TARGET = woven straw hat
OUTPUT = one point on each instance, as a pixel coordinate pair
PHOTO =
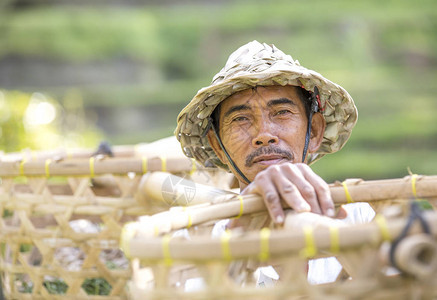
(256, 64)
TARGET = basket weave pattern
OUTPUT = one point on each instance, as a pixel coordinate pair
(61, 224)
(40, 220)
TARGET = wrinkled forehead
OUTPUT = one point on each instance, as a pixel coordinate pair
(261, 94)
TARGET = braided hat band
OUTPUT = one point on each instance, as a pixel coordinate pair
(256, 64)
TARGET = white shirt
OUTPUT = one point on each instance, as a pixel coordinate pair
(324, 270)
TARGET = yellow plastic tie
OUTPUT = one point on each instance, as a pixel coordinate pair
(241, 207)
(127, 234)
(190, 219)
(163, 163)
(24, 155)
(224, 241)
(413, 184)
(47, 167)
(382, 224)
(144, 164)
(21, 167)
(335, 239)
(166, 250)
(310, 245)
(156, 230)
(91, 167)
(193, 166)
(346, 191)
(264, 235)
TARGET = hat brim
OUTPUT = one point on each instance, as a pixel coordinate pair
(337, 108)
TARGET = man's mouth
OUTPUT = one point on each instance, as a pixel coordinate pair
(270, 159)
(268, 156)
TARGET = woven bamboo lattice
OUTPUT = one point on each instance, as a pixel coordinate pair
(62, 220)
(165, 259)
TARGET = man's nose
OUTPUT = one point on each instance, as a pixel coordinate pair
(264, 136)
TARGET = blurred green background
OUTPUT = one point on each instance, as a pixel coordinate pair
(73, 73)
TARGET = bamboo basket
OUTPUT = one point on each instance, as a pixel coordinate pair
(165, 259)
(62, 219)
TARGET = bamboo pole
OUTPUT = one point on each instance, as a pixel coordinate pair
(408, 187)
(244, 245)
(56, 154)
(176, 191)
(95, 166)
(231, 205)
(169, 146)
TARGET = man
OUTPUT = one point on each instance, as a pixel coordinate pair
(265, 118)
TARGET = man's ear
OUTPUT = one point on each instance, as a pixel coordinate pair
(212, 139)
(318, 126)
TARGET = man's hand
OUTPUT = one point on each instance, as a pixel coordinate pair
(295, 184)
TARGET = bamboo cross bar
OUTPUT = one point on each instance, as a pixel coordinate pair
(408, 187)
(230, 205)
(32, 155)
(94, 166)
(168, 146)
(164, 187)
(281, 242)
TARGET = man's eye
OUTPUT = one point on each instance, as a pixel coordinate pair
(283, 112)
(239, 119)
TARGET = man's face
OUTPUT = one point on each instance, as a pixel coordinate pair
(262, 127)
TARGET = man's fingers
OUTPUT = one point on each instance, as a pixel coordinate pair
(321, 189)
(267, 190)
(297, 185)
(297, 191)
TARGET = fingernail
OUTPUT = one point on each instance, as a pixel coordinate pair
(330, 212)
(304, 207)
(279, 219)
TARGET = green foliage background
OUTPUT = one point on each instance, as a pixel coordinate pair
(383, 52)
(69, 129)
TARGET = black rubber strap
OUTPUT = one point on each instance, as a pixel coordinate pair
(104, 149)
(307, 137)
(314, 108)
(415, 213)
(234, 166)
